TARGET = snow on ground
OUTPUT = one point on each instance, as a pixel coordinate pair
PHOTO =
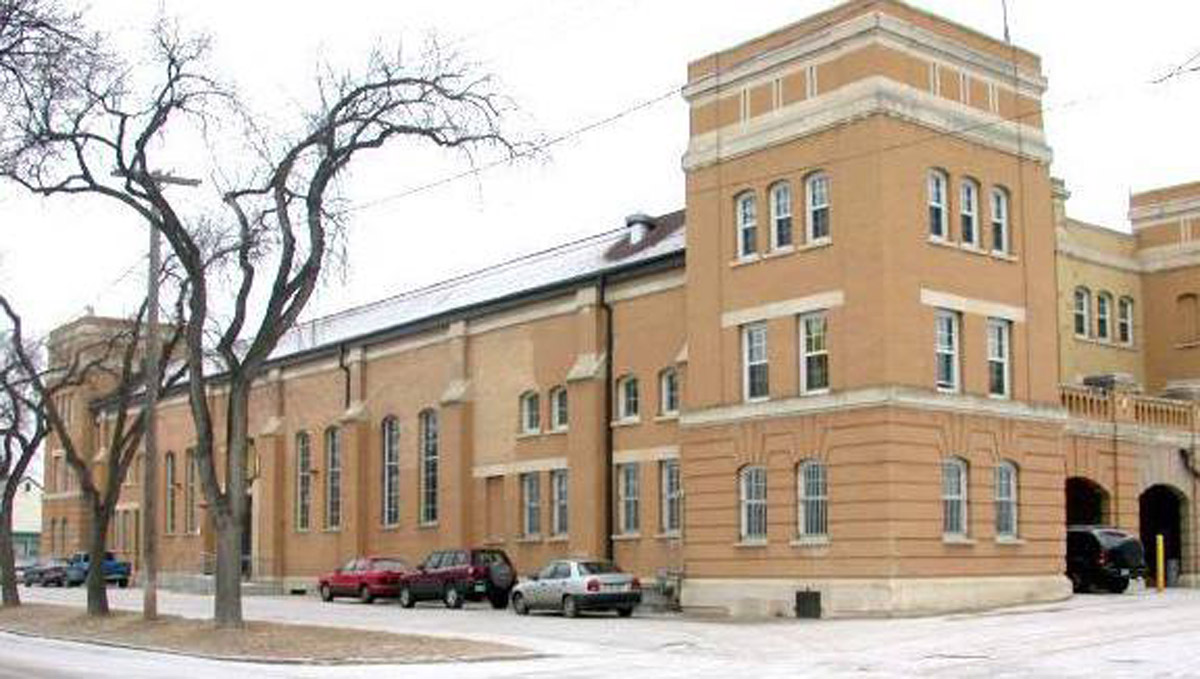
(1138, 634)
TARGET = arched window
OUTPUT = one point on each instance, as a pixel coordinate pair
(812, 500)
(954, 497)
(428, 421)
(627, 398)
(747, 225)
(668, 392)
(390, 432)
(938, 204)
(169, 492)
(1082, 311)
(1006, 500)
(1000, 234)
(559, 409)
(781, 215)
(191, 494)
(303, 506)
(1187, 310)
(531, 413)
(752, 495)
(816, 193)
(1125, 320)
(1104, 316)
(333, 478)
(969, 212)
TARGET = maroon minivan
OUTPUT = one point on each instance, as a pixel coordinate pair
(457, 575)
(366, 578)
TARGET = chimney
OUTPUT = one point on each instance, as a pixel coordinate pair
(638, 225)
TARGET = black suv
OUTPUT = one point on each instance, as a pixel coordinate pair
(457, 575)
(1103, 557)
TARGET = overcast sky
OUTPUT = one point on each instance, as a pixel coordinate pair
(568, 63)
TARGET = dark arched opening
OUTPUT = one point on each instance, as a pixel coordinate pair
(1087, 503)
(1161, 511)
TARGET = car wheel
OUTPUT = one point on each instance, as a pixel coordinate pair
(326, 593)
(520, 607)
(569, 607)
(499, 598)
(1118, 585)
(625, 612)
(364, 595)
(452, 597)
(406, 598)
(1078, 585)
(122, 583)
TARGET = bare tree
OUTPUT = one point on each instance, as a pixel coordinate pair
(252, 266)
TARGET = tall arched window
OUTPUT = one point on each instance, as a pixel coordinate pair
(1001, 239)
(938, 204)
(816, 193)
(628, 398)
(781, 215)
(390, 432)
(1104, 303)
(668, 392)
(812, 500)
(333, 478)
(303, 506)
(531, 413)
(752, 495)
(169, 492)
(428, 421)
(1006, 500)
(747, 225)
(559, 409)
(954, 497)
(1125, 320)
(1082, 312)
(969, 212)
(1187, 308)
(191, 494)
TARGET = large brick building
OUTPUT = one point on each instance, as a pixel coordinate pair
(854, 363)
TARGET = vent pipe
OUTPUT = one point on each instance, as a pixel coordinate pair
(638, 225)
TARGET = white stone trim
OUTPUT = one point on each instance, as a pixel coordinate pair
(784, 308)
(586, 367)
(525, 314)
(641, 288)
(1134, 433)
(519, 467)
(1158, 213)
(656, 454)
(968, 305)
(1167, 257)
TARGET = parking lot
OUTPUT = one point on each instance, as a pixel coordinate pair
(1139, 634)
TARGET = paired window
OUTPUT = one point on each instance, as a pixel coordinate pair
(333, 478)
(672, 496)
(1000, 236)
(781, 215)
(627, 398)
(169, 472)
(428, 424)
(937, 204)
(999, 346)
(812, 500)
(1006, 500)
(747, 225)
(752, 494)
(1103, 316)
(531, 504)
(1082, 312)
(390, 432)
(559, 414)
(668, 392)
(946, 346)
(627, 498)
(1125, 321)
(817, 193)
(814, 346)
(755, 385)
(558, 502)
(954, 497)
(969, 212)
(531, 413)
(303, 481)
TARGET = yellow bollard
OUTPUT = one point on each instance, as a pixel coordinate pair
(1160, 574)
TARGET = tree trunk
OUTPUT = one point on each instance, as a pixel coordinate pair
(97, 591)
(227, 607)
(8, 574)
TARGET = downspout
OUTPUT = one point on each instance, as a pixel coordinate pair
(609, 528)
(346, 381)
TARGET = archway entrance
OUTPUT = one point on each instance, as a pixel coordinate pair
(1087, 503)
(1162, 514)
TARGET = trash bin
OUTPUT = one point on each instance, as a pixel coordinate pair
(808, 604)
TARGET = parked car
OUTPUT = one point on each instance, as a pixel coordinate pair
(457, 575)
(366, 578)
(114, 570)
(21, 566)
(46, 573)
(1098, 556)
(575, 585)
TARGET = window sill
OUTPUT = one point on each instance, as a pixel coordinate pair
(627, 422)
(530, 540)
(430, 525)
(816, 244)
(743, 261)
(390, 528)
(554, 539)
(757, 399)
(521, 436)
(557, 431)
(667, 417)
(331, 530)
(494, 542)
(780, 252)
(669, 535)
(750, 544)
(626, 537)
(1000, 397)
(1110, 344)
(1187, 345)
(1012, 541)
(1004, 256)
(815, 392)
(953, 391)
(814, 542)
(941, 242)
(957, 540)
(973, 249)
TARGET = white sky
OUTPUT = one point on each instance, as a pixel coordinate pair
(568, 63)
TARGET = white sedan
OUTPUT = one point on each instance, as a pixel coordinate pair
(575, 585)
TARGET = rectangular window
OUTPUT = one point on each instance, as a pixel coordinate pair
(999, 341)
(531, 504)
(817, 191)
(999, 221)
(558, 497)
(429, 467)
(531, 413)
(937, 205)
(964, 87)
(668, 389)
(747, 225)
(1006, 500)
(970, 210)
(814, 500)
(672, 496)
(1103, 315)
(954, 497)
(391, 472)
(627, 498)
(753, 493)
(628, 403)
(754, 362)
(1125, 321)
(935, 79)
(1082, 312)
(333, 479)
(558, 409)
(781, 215)
(946, 350)
(303, 482)
(814, 363)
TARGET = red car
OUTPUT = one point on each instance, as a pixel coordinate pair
(365, 578)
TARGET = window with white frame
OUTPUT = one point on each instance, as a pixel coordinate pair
(814, 346)
(672, 496)
(1103, 316)
(969, 212)
(428, 421)
(303, 483)
(812, 495)
(531, 413)
(333, 479)
(1125, 321)
(752, 495)
(1082, 312)
(628, 402)
(816, 189)
(668, 392)
(559, 412)
(781, 215)
(390, 492)
(559, 502)
(1000, 235)
(628, 498)
(999, 347)
(1006, 500)
(747, 225)
(937, 204)
(946, 349)
(531, 504)
(755, 370)
(954, 497)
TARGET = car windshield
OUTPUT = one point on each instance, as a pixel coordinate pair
(598, 567)
(1110, 538)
